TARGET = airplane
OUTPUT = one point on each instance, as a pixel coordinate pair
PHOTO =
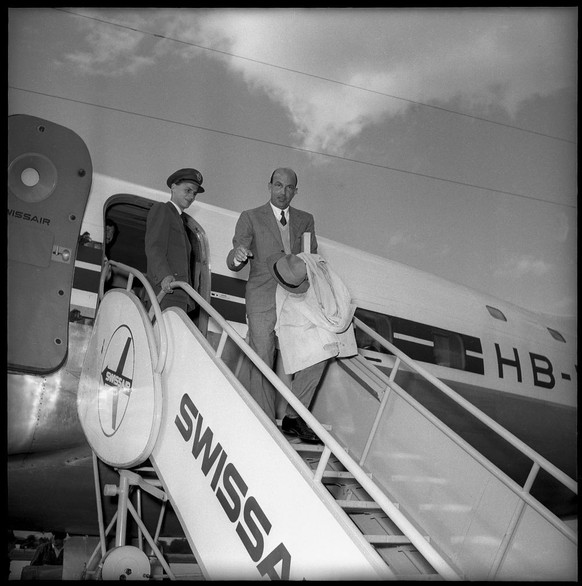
(517, 367)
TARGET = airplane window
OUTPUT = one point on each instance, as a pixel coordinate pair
(380, 323)
(496, 313)
(556, 335)
(448, 350)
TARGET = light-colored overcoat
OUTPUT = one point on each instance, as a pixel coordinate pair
(315, 325)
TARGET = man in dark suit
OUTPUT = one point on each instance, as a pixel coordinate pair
(51, 552)
(259, 233)
(167, 245)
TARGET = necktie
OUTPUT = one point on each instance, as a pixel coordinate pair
(283, 220)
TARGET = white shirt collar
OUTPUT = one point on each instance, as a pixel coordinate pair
(277, 211)
(177, 207)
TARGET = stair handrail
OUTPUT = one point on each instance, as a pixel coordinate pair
(418, 540)
(522, 447)
(155, 309)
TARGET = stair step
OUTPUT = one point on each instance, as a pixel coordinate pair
(353, 505)
(325, 426)
(422, 577)
(337, 474)
(387, 539)
(303, 447)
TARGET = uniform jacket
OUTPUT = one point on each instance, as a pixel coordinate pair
(258, 231)
(167, 245)
(315, 325)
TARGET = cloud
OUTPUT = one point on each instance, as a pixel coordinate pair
(480, 58)
(565, 307)
(410, 241)
(407, 240)
(518, 267)
(562, 226)
(539, 285)
(110, 50)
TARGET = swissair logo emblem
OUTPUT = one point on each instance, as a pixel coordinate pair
(116, 380)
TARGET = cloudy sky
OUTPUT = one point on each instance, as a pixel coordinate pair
(445, 139)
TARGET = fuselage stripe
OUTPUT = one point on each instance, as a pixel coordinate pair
(226, 297)
(88, 266)
(406, 338)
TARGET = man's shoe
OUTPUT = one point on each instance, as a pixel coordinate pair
(296, 426)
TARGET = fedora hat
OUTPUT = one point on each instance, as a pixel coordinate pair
(289, 271)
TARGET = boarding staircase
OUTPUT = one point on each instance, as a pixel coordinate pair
(406, 500)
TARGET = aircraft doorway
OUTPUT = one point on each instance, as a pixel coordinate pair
(125, 218)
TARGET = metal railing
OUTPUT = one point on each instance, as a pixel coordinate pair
(154, 309)
(538, 461)
(331, 445)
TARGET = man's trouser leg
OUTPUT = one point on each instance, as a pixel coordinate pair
(304, 385)
(262, 341)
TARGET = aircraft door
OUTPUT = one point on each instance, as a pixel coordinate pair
(200, 269)
(49, 179)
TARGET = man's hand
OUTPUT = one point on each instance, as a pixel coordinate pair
(165, 284)
(241, 253)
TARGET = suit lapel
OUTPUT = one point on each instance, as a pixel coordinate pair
(295, 224)
(295, 227)
(271, 221)
(175, 212)
(178, 218)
